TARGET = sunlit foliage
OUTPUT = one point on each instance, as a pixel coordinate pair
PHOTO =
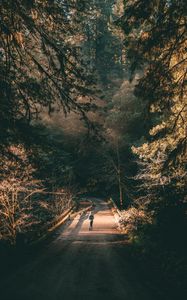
(156, 43)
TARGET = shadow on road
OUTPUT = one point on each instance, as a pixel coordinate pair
(77, 228)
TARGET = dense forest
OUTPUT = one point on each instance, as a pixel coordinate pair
(93, 102)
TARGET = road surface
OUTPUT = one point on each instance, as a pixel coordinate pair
(78, 264)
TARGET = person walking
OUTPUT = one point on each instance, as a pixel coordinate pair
(91, 218)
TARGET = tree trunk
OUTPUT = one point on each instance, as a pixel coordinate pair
(119, 176)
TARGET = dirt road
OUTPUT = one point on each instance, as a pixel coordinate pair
(79, 264)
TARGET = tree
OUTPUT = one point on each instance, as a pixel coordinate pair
(16, 189)
(39, 61)
(40, 70)
(124, 126)
(155, 41)
(102, 48)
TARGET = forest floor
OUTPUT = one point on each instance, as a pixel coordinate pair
(77, 264)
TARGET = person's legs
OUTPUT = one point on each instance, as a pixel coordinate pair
(91, 223)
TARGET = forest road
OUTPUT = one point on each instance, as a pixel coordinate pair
(78, 264)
